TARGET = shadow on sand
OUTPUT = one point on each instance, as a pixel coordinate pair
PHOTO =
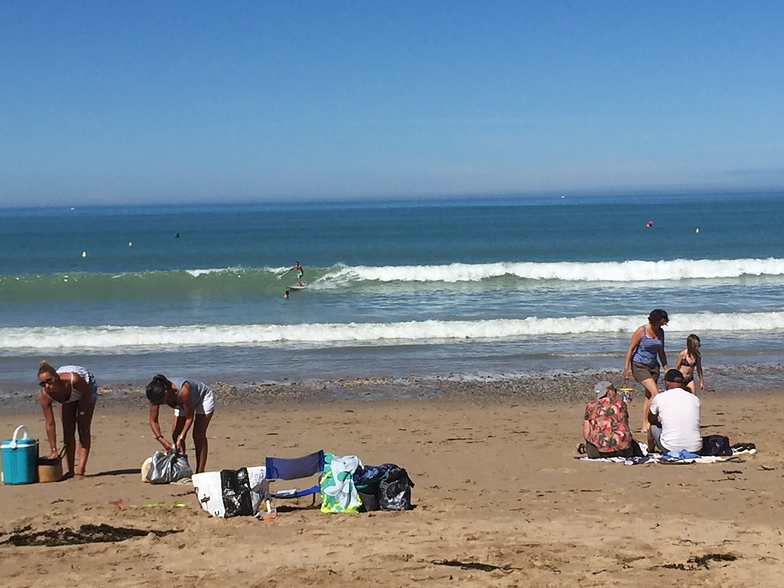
(136, 471)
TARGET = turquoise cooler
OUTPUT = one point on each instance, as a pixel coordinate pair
(20, 459)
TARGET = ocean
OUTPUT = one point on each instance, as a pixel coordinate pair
(463, 288)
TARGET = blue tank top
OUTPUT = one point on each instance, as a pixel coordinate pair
(198, 389)
(647, 350)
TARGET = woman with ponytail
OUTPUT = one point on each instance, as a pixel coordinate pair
(75, 390)
(193, 403)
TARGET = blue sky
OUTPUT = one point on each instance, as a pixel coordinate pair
(150, 101)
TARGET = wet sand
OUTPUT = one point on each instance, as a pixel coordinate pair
(500, 499)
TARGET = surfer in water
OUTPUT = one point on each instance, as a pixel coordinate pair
(297, 268)
(300, 272)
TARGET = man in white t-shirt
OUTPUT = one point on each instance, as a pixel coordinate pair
(675, 417)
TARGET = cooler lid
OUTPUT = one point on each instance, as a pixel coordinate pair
(26, 442)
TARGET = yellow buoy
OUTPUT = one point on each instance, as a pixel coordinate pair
(130, 243)
(84, 254)
(697, 230)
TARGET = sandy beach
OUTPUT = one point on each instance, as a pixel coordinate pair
(500, 498)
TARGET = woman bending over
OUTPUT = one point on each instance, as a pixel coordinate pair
(193, 403)
(75, 390)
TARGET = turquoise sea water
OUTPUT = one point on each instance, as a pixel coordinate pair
(464, 287)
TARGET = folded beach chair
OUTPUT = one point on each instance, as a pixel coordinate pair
(281, 468)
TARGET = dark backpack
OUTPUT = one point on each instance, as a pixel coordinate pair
(394, 489)
(716, 445)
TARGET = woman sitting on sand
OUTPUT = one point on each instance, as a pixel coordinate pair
(75, 390)
(606, 426)
(689, 360)
(193, 403)
(646, 345)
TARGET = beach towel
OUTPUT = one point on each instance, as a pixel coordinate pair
(676, 458)
(338, 493)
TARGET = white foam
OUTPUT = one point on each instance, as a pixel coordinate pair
(203, 272)
(615, 271)
(116, 339)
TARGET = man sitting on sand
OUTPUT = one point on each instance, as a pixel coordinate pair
(675, 417)
(606, 426)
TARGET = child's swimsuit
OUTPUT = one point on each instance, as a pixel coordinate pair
(685, 363)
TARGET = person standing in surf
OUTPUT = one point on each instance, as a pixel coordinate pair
(690, 360)
(300, 272)
(645, 350)
(75, 390)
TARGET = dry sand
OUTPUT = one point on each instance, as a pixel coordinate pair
(500, 501)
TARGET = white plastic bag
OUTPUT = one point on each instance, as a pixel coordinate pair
(168, 467)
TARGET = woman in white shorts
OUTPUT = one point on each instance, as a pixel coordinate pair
(193, 403)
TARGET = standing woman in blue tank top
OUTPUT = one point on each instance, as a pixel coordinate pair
(645, 350)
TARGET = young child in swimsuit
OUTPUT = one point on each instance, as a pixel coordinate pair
(689, 360)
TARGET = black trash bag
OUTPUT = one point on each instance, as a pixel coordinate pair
(168, 467)
(394, 488)
(235, 488)
(367, 477)
(366, 480)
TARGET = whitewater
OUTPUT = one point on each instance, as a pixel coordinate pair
(110, 339)
(464, 287)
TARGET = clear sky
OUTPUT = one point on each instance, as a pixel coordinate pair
(166, 101)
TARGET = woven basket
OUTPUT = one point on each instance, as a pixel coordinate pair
(50, 470)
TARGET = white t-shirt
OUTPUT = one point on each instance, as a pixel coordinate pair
(679, 411)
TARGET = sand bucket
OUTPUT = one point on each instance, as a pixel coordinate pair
(19, 457)
(51, 469)
(627, 390)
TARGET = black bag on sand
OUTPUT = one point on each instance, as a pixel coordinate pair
(716, 445)
(235, 488)
(394, 489)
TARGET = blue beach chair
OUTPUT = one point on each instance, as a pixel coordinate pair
(282, 468)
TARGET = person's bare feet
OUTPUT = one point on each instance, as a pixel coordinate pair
(73, 476)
